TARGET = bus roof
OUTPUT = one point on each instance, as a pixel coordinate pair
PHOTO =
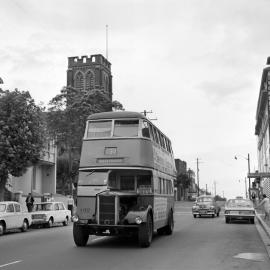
(113, 115)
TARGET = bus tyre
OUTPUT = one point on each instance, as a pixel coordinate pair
(170, 226)
(145, 233)
(80, 235)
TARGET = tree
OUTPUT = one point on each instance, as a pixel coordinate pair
(183, 182)
(66, 120)
(22, 132)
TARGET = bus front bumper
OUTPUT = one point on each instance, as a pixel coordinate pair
(96, 229)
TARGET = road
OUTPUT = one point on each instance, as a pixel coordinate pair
(202, 243)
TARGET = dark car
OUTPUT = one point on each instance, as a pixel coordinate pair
(205, 205)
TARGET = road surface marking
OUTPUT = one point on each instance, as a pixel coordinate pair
(7, 264)
(258, 257)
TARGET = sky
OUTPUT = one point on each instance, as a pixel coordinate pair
(197, 64)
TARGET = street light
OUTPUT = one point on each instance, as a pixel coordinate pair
(248, 159)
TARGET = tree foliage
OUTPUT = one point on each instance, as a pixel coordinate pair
(183, 179)
(22, 132)
(66, 120)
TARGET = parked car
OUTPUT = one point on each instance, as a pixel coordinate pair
(205, 205)
(49, 213)
(12, 217)
(239, 209)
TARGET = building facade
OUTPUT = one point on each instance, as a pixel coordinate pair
(262, 130)
(39, 179)
(90, 73)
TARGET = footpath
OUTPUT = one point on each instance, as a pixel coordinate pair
(264, 223)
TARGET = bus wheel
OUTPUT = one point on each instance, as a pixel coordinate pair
(80, 235)
(145, 233)
(170, 226)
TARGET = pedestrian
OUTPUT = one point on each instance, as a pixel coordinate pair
(29, 202)
(266, 206)
(253, 197)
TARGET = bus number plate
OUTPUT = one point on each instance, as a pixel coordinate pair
(110, 151)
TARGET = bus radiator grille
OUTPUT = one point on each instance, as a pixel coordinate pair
(107, 210)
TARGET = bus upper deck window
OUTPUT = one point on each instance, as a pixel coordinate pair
(99, 129)
(126, 128)
(145, 129)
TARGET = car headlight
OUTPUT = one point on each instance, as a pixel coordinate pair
(226, 212)
(212, 207)
(195, 207)
(138, 220)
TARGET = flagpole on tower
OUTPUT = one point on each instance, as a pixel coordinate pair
(107, 55)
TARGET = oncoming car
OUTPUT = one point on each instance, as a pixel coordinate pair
(49, 213)
(205, 205)
(12, 217)
(239, 209)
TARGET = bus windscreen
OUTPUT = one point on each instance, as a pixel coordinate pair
(126, 128)
(99, 129)
(93, 178)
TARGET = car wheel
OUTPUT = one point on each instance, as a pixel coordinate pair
(145, 233)
(227, 220)
(218, 213)
(50, 223)
(66, 222)
(252, 220)
(25, 226)
(194, 216)
(213, 215)
(80, 235)
(2, 228)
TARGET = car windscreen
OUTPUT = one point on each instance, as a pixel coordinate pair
(43, 207)
(204, 199)
(2, 207)
(93, 178)
(239, 203)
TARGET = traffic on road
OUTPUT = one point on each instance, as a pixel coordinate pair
(204, 243)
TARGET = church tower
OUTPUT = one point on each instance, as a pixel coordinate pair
(90, 73)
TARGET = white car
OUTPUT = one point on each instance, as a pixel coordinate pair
(49, 213)
(239, 209)
(12, 217)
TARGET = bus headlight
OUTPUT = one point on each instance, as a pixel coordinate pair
(75, 219)
(138, 220)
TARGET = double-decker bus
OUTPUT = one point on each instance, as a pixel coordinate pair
(126, 179)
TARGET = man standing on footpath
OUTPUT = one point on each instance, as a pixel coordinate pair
(266, 206)
(29, 202)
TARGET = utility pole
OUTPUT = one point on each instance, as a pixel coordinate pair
(198, 181)
(246, 194)
(248, 176)
(215, 187)
(205, 189)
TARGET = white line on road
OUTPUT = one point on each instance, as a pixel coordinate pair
(7, 264)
